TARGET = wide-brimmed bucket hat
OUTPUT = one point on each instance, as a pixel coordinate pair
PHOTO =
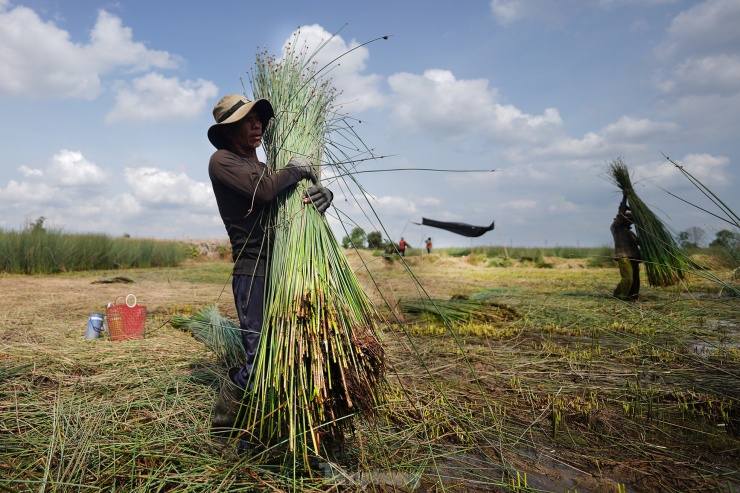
(233, 108)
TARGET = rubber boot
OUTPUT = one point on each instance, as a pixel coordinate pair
(227, 407)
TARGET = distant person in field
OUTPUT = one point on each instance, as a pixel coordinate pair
(429, 245)
(402, 245)
(626, 254)
(244, 189)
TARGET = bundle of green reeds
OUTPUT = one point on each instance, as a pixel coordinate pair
(320, 360)
(459, 309)
(664, 261)
(220, 335)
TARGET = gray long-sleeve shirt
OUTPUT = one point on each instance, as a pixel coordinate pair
(244, 191)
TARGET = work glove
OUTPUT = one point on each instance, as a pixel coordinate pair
(320, 197)
(302, 168)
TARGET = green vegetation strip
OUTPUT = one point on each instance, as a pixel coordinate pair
(41, 251)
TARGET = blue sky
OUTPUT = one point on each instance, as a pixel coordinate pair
(104, 108)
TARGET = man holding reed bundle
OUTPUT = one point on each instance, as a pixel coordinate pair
(244, 192)
(626, 253)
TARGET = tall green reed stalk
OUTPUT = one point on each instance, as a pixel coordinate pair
(320, 361)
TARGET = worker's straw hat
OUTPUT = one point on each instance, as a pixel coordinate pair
(233, 108)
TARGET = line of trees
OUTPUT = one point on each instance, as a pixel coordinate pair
(357, 238)
(694, 236)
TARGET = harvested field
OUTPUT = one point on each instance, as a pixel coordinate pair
(570, 390)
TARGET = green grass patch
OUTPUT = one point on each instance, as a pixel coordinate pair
(40, 251)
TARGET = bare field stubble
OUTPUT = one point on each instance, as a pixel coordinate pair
(568, 390)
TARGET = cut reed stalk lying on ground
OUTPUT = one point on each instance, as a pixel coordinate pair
(459, 310)
(320, 361)
(664, 261)
(220, 335)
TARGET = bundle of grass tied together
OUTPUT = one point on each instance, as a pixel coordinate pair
(320, 360)
(220, 335)
(664, 261)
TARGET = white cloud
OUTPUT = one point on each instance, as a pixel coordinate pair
(18, 195)
(700, 72)
(719, 73)
(154, 97)
(438, 104)
(72, 191)
(358, 91)
(125, 204)
(70, 168)
(111, 45)
(30, 172)
(507, 11)
(39, 60)
(706, 27)
(67, 181)
(395, 205)
(700, 50)
(628, 134)
(66, 169)
(154, 186)
(708, 169)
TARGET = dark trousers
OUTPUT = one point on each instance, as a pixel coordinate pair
(249, 294)
(629, 285)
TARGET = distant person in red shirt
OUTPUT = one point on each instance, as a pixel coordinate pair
(402, 246)
(429, 245)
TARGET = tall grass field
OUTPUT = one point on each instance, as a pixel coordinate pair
(49, 251)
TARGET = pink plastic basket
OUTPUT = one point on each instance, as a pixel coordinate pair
(126, 319)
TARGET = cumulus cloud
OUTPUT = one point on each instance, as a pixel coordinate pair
(445, 107)
(719, 73)
(66, 169)
(154, 186)
(628, 134)
(358, 91)
(19, 195)
(699, 75)
(69, 178)
(70, 168)
(71, 190)
(40, 60)
(153, 98)
(705, 28)
(392, 205)
(112, 45)
(708, 169)
(700, 49)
